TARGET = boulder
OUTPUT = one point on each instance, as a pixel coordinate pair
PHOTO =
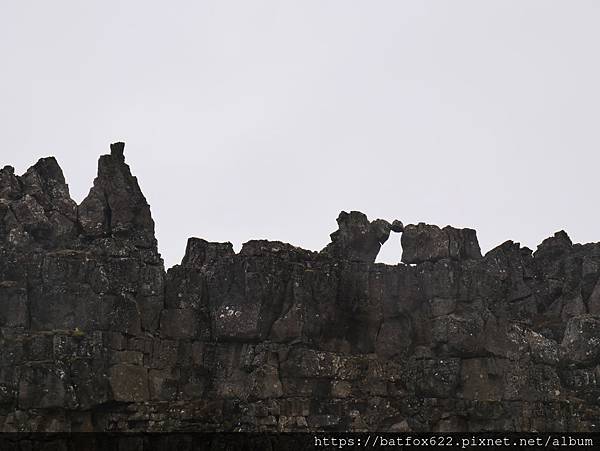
(423, 242)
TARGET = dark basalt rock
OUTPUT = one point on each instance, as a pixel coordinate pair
(96, 336)
(357, 238)
(115, 205)
(200, 252)
(424, 242)
(37, 206)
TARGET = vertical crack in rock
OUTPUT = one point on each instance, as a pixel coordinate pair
(96, 336)
(116, 205)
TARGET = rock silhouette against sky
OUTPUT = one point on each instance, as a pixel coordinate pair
(97, 336)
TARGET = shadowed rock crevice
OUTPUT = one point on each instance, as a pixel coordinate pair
(96, 336)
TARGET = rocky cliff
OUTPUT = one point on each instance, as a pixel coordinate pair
(95, 335)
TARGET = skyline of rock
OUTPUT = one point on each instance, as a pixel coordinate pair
(95, 335)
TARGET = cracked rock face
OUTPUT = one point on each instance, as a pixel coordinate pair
(423, 242)
(115, 205)
(357, 238)
(96, 336)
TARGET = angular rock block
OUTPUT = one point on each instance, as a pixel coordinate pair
(96, 336)
(428, 243)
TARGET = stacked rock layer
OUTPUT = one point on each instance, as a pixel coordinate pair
(96, 336)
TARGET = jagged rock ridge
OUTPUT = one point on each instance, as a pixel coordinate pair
(95, 335)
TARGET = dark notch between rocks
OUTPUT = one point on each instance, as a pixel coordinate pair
(116, 206)
(97, 336)
(358, 239)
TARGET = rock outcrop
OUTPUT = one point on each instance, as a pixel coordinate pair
(357, 238)
(423, 242)
(96, 336)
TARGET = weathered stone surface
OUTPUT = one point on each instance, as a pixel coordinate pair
(581, 343)
(199, 252)
(45, 182)
(115, 205)
(179, 323)
(129, 383)
(357, 238)
(45, 386)
(397, 226)
(424, 242)
(14, 311)
(36, 206)
(10, 188)
(96, 336)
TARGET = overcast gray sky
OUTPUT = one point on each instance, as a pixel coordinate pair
(263, 119)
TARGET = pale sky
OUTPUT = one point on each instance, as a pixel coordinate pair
(263, 119)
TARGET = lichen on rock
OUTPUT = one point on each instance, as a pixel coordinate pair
(96, 336)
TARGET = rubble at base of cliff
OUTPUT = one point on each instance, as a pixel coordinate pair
(95, 335)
